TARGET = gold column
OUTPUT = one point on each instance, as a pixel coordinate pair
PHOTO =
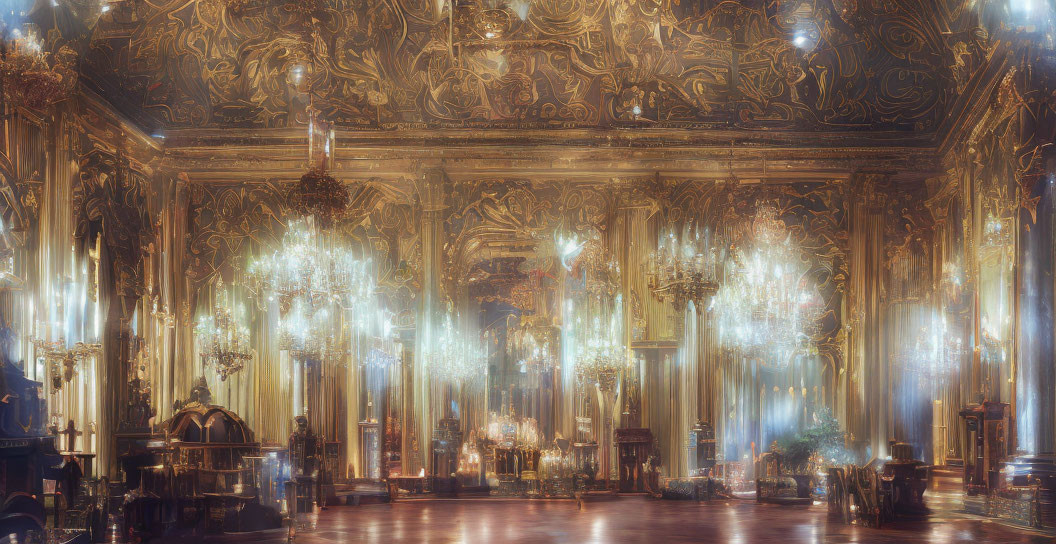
(158, 309)
(185, 360)
(651, 328)
(427, 408)
(866, 378)
(408, 466)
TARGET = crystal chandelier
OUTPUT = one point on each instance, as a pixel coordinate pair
(600, 352)
(532, 347)
(596, 331)
(313, 267)
(29, 77)
(767, 227)
(64, 360)
(326, 294)
(764, 309)
(455, 357)
(935, 353)
(686, 266)
(223, 338)
(67, 333)
(306, 332)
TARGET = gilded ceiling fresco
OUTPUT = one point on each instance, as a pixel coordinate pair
(384, 64)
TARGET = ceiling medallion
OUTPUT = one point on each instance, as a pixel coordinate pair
(27, 76)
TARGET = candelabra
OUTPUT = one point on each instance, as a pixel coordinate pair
(68, 332)
(223, 338)
(64, 359)
(686, 266)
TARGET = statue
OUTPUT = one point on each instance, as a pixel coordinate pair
(138, 411)
(305, 449)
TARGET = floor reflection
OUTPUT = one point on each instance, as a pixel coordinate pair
(635, 519)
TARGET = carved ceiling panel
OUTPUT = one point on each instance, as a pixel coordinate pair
(385, 64)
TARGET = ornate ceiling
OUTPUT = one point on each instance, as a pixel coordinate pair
(820, 65)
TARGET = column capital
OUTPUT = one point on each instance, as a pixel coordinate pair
(868, 187)
(430, 188)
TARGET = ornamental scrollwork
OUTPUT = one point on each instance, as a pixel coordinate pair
(539, 63)
(110, 200)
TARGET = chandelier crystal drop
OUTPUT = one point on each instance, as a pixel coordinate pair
(223, 337)
(765, 309)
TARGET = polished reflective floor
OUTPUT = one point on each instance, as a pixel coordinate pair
(634, 519)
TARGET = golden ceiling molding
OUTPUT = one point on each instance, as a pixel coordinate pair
(640, 136)
(539, 163)
(974, 103)
(98, 117)
(587, 63)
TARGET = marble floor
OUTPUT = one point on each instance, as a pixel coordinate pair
(634, 519)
